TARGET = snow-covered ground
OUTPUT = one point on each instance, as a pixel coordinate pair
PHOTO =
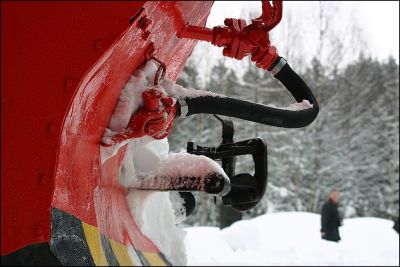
(293, 238)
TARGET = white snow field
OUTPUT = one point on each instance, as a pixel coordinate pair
(293, 238)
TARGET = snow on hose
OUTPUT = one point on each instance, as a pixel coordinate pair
(296, 115)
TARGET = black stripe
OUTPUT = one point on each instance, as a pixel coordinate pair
(37, 254)
(68, 240)
(162, 256)
(142, 257)
(111, 259)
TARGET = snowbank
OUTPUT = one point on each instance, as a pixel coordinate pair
(293, 238)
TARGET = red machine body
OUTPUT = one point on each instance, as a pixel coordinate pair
(64, 65)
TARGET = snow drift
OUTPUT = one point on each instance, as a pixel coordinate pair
(293, 238)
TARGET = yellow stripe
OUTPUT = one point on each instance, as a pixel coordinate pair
(121, 253)
(96, 248)
(154, 259)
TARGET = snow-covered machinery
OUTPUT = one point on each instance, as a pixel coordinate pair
(88, 97)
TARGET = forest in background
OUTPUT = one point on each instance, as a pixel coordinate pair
(352, 146)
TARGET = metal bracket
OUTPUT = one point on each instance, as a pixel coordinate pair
(246, 190)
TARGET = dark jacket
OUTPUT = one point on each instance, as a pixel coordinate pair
(396, 225)
(330, 221)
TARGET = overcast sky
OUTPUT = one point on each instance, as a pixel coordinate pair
(378, 19)
(381, 20)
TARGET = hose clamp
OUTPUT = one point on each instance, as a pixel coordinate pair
(184, 108)
(278, 67)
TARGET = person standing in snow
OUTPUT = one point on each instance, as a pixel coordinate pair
(330, 220)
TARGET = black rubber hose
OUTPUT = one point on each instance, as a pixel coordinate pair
(247, 110)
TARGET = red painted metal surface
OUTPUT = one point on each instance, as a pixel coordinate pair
(112, 213)
(239, 39)
(63, 67)
(100, 200)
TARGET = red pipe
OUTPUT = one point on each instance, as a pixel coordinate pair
(198, 33)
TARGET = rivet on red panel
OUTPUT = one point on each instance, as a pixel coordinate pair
(43, 179)
(68, 83)
(39, 230)
(146, 35)
(98, 44)
(51, 128)
(144, 22)
(132, 19)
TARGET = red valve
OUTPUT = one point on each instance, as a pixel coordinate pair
(239, 39)
(151, 99)
(152, 119)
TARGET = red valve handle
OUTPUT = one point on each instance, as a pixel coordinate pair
(239, 39)
(151, 119)
(271, 15)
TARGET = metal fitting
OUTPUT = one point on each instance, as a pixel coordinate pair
(278, 67)
(184, 108)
